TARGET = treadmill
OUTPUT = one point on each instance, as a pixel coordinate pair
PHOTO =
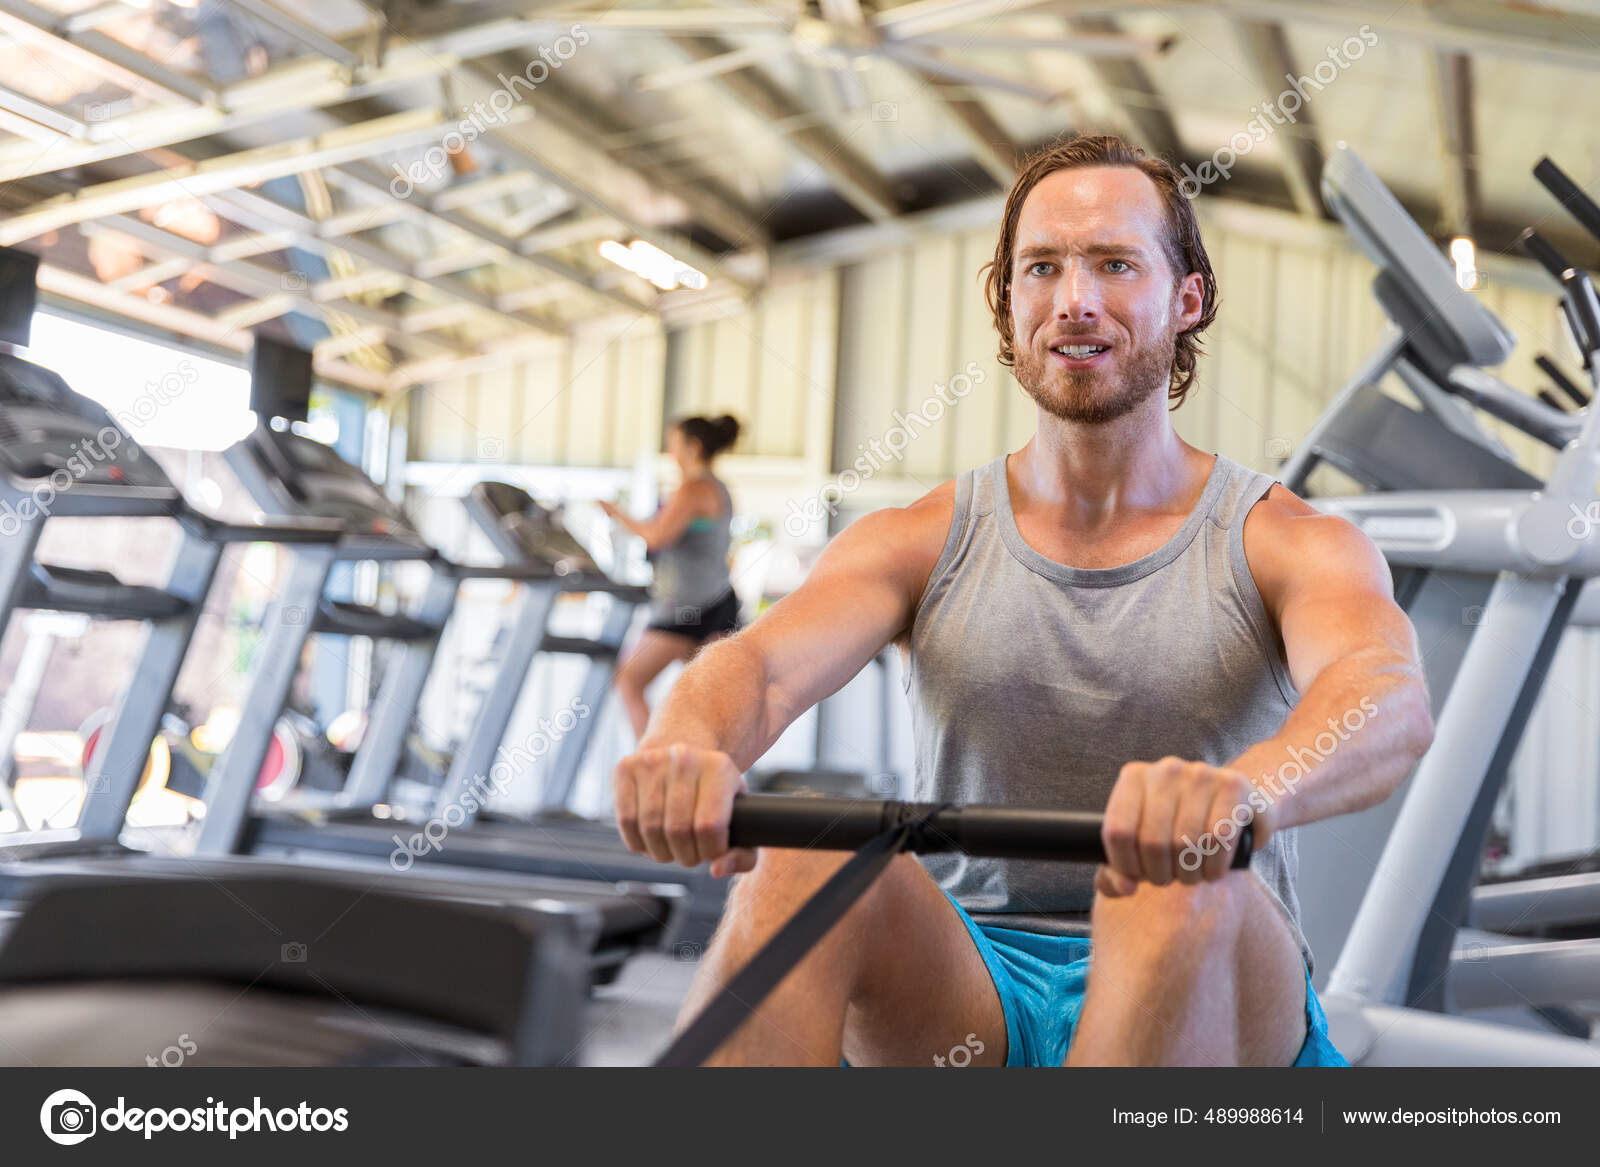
(90, 923)
(293, 971)
(49, 430)
(289, 473)
(1449, 508)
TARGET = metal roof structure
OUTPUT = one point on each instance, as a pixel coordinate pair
(413, 184)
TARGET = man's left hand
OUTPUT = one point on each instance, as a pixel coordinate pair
(1174, 820)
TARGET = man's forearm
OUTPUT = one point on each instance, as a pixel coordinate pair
(722, 702)
(1352, 739)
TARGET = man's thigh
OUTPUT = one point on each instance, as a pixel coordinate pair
(925, 988)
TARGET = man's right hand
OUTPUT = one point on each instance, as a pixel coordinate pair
(673, 803)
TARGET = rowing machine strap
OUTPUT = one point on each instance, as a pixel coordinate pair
(740, 997)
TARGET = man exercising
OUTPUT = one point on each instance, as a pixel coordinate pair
(1106, 618)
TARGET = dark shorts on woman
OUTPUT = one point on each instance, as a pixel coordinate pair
(701, 624)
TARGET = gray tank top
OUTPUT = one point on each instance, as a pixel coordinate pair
(1033, 683)
(693, 572)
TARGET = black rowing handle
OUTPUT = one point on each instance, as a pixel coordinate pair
(997, 832)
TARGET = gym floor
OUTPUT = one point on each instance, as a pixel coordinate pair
(631, 1019)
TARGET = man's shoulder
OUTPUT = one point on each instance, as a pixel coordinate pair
(1286, 538)
(1284, 521)
(915, 532)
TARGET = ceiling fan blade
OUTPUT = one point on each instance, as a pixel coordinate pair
(711, 66)
(929, 63)
(1086, 44)
(848, 89)
(924, 16)
(688, 21)
(842, 12)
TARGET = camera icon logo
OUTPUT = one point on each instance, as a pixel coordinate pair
(1582, 523)
(97, 111)
(885, 111)
(491, 449)
(883, 784)
(293, 953)
(687, 615)
(294, 281)
(294, 614)
(68, 1117)
(1279, 448)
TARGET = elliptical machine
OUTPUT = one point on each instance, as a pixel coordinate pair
(1503, 553)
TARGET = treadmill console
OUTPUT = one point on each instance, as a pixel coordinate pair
(525, 532)
(290, 474)
(47, 431)
(1446, 325)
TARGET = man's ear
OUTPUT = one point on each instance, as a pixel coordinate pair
(1191, 297)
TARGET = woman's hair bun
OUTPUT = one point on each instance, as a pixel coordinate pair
(712, 434)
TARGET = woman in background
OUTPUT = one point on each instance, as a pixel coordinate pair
(692, 599)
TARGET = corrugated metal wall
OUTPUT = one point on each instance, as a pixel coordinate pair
(831, 363)
(829, 360)
(593, 402)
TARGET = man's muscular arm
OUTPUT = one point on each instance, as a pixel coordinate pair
(673, 795)
(1352, 655)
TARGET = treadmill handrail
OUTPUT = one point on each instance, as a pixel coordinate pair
(359, 545)
(1533, 534)
(515, 572)
(1572, 197)
(1554, 427)
(572, 583)
(263, 530)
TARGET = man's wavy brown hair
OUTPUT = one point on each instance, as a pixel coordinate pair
(1184, 250)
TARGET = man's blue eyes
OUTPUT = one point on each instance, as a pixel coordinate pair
(1122, 265)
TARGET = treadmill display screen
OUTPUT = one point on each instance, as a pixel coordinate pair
(280, 380)
(317, 482)
(525, 532)
(18, 271)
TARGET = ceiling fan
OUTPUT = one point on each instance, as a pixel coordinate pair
(841, 38)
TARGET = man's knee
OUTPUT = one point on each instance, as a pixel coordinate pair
(1177, 913)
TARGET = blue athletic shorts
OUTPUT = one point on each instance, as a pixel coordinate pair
(1041, 981)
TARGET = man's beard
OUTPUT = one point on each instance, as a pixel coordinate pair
(1089, 396)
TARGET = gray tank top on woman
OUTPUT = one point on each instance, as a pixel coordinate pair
(693, 572)
(1033, 683)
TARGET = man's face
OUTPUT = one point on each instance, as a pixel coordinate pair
(1095, 306)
